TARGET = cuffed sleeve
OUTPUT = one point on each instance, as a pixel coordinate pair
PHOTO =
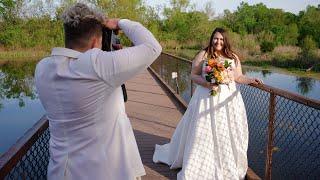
(116, 67)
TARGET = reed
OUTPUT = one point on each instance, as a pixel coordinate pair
(23, 54)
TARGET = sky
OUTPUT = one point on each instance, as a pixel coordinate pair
(219, 6)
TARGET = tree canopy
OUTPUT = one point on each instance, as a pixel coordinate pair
(180, 23)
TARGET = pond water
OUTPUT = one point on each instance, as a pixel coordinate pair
(20, 108)
(305, 86)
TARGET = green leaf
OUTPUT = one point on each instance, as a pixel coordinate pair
(227, 64)
(208, 78)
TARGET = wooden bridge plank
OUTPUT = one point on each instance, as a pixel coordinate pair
(154, 118)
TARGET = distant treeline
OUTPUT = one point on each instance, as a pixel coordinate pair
(256, 31)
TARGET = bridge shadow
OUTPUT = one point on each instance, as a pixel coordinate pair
(146, 143)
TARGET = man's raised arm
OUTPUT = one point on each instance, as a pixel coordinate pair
(116, 67)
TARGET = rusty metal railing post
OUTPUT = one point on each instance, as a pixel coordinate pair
(161, 67)
(178, 74)
(191, 83)
(272, 112)
(191, 87)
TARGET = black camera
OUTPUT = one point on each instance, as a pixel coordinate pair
(107, 46)
(106, 39)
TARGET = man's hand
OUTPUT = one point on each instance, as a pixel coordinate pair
(111, 24)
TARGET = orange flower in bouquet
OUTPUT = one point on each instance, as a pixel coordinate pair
(216, 72)
(212, 62)
(220, 67)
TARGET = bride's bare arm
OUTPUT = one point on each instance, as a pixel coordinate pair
(196, 71)
(242, 79)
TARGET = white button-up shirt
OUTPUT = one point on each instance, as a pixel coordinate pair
(91, 136)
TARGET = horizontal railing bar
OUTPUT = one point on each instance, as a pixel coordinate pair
(180, 58)
(10, 158)
(290, 95)
(279, 92)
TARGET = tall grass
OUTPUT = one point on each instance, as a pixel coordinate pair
(23, 54)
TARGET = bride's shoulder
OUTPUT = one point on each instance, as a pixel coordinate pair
(235, 57)
(201, 55)
(199, 59)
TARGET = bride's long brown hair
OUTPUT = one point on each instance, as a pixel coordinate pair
(226, 47)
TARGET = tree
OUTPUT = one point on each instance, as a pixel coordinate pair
(245, 18)
(291, 35)
(186, 26)
(308, 45)
(5, 7)
(180, 5)
(209, 10)
(307, 57)
(131, 9)
(258, 18)
(309, 24)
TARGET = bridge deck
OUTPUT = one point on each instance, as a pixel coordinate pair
(154, 117)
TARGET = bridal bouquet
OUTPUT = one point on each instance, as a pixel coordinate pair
(217, 72)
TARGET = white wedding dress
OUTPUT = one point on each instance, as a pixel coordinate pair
(211, 139)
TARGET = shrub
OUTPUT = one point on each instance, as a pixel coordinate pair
(267, 46)
(249, 42)
(286, 52)
(308, 44)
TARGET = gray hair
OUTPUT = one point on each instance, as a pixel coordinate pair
(80, 12)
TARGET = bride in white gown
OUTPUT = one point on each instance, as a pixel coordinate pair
(211, 139)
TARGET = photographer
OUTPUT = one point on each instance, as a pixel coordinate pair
(80, 89)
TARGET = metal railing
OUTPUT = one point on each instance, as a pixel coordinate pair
(284, 131)
(29, 157)
(284, 127)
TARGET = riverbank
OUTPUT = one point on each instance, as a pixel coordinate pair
(37, 54)
(262, 64)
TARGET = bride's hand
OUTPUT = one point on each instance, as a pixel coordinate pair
(255, 81)
(211, 86)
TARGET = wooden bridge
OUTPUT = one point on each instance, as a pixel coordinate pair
(155, 109)
(154, 112)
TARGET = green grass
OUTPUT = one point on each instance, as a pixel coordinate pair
(31, 54)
